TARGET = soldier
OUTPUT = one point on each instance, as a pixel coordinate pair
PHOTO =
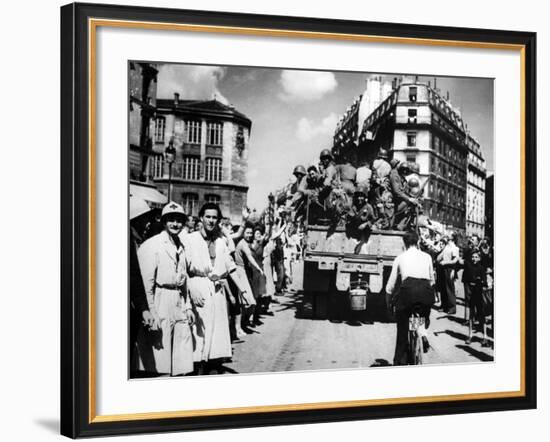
(380, 192)
(404, 203)
(310, 185)
(163, 267)
(329, 169)
(309, 188)
(361, 218)
(381, 168)
(299, 172)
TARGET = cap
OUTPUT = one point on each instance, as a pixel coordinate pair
(173, 208)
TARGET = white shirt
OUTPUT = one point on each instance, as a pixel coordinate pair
(412, 263)
(449, 254)
(363, 174)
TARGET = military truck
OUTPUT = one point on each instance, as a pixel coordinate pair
(342, 282)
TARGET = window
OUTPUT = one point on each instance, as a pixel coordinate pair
(239, 142)
(157, 166)
(411, 158)
(412, 93)
(213, 169)
(213, 199)
(214, 134)
(193, 131)
(189, 202)
(412, 116)
(160, 126)
(436, 144)
(190, 168)
(411, 139)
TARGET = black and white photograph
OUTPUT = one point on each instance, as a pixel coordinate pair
(291, 220)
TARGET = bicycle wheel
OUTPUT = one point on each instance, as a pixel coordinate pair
(417, 349)
(414, 348)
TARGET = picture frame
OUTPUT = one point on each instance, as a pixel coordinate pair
(79, 178)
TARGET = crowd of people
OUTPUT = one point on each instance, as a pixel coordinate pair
(426, 274)
(382, 194)
(199, 283)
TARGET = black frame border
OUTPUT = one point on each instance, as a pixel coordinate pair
(75, 219)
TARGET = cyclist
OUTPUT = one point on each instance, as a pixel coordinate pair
(413, 270)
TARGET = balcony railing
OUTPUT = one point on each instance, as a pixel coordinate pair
(188, 170)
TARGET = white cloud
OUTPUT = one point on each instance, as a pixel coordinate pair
(191, 82)
(308, 129)
(306, 85)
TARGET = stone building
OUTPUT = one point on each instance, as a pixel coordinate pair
(142, 107)
(212, 146)
(417, 124)
(475, 194)
(489, 207)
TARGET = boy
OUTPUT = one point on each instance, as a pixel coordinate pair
(476, 278)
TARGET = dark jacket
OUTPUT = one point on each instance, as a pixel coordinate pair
(474, 273)
(398, 186)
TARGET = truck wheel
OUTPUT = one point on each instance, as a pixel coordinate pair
(390, 316)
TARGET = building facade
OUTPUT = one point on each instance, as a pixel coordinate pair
(142, 108)
(417, 124)
(489, 207)
(475, 194)
(211, 140)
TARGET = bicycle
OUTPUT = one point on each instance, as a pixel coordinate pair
(416, 321)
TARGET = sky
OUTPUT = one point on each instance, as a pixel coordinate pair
(294, 113)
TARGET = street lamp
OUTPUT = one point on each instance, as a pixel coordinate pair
(170, 157)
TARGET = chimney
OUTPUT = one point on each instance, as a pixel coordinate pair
(176, 98)
(448, 96)
(435, 84)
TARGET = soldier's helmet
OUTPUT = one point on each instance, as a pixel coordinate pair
(325, 153)
(413, 181)
(172, 208)
(404, 167)
(415, 167)
(394, 163)
(299, 170)
(383, 153)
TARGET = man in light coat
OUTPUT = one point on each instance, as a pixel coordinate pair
(163, 269)
(208, 262)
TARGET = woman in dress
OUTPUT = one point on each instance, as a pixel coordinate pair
(258, 278)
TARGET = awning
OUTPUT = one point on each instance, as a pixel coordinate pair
(154, 198)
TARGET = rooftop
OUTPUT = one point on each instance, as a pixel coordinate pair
(210, 107)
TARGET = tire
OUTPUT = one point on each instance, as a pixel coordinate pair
(414, 356)
(418, 350)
